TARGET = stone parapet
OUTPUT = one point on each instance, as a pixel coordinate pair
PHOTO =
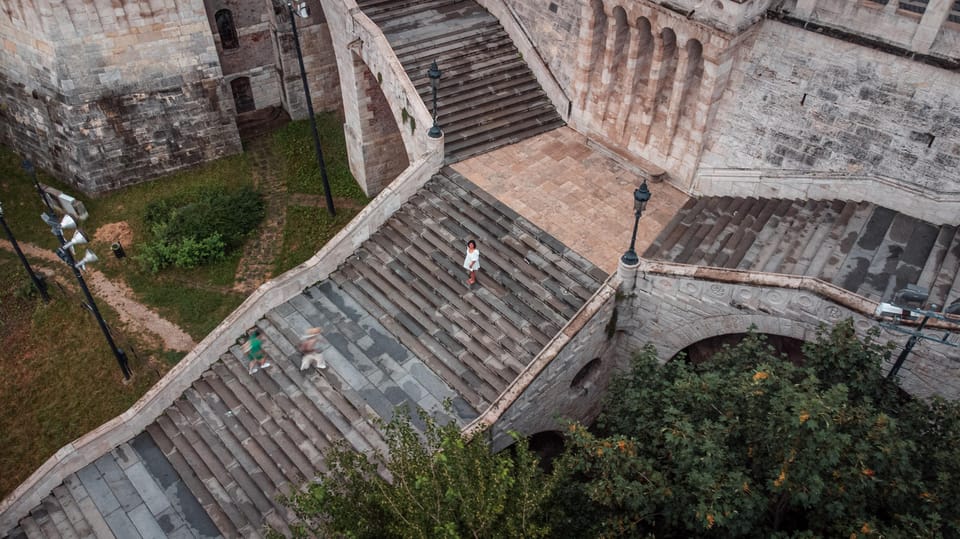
(94, 444)
(906, 196)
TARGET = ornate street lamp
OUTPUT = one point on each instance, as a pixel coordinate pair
(303, 11)
(641, 195)
(434, 74)
(65, 252)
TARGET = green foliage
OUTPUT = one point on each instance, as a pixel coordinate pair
(750, 444)
(193, 229)
(306, 230)
(441, 486)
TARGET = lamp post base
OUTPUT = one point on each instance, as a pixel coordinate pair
(630, 258)
(435, 132)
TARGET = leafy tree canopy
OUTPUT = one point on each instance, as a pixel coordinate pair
(440, 486)
(749, 444)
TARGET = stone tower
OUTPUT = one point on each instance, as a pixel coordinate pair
(104, 93)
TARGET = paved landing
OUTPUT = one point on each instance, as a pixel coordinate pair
(582, 197)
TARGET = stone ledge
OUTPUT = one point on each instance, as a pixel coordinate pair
(937, 207)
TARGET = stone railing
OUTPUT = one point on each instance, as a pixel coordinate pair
(543, 359)
(932, 204)
(77, 454)
(367, 40)
(521, 38)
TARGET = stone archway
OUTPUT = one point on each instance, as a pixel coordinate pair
(706, 328)
(703, 351)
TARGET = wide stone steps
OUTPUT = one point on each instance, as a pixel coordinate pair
(487, 96)
(867, 249)
(400, 328)
(130, 492)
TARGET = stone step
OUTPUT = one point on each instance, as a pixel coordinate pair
(818, 215)
(845, 240)
(442, 244)
(448, 374)
(814, 241)
(387, 11)
(482, 312)
(72, 512)
(937, 255)
(165, 493)
(558, 262)
(522, 279)
(831, 240)
(488, 49)
(856, 265)
(230, 463)
(944, 289)
(231, 487)
(505, 136)
(198, 480)
(769, 256)
(509, 66)
(415, 54)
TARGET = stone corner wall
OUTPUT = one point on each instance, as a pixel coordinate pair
(105, 97)
(573, 383)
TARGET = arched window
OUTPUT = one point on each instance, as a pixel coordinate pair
(228, 31)
(242, 94)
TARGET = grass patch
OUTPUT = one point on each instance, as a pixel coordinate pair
(294, 144)
(306, 231)
(60, 378)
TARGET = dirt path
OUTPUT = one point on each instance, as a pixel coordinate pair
(137, 317)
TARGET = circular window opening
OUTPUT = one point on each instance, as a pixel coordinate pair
(586, 374)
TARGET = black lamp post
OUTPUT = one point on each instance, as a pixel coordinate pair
(66, 254)
(641, 195)
(37, 280)
(303, 11)
(434, 74)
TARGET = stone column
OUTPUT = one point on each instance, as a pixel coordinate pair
(630, 76)
(650, 95)
(680, 83)
(933, 18)
(588, 30)
(596, 103)
(374, 145)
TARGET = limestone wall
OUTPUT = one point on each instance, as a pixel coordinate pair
(855, 112)
(124, 92)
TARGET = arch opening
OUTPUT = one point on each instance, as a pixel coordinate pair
(703, 351)
(227, 29)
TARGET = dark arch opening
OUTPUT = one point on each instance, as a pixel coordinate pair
(243, 94)
(704, 350)
(226, 29)
(548, 445)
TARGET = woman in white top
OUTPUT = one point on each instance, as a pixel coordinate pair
(472, 261)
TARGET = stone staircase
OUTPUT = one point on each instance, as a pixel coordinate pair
(867, 249)
(487, 96)
(402, 329)
(132, 491)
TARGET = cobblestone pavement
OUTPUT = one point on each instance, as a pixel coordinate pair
(581, 196)
(256, 264)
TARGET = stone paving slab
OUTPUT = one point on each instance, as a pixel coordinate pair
(580, 196)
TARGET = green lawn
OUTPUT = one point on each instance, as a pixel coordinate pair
(60, 379)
